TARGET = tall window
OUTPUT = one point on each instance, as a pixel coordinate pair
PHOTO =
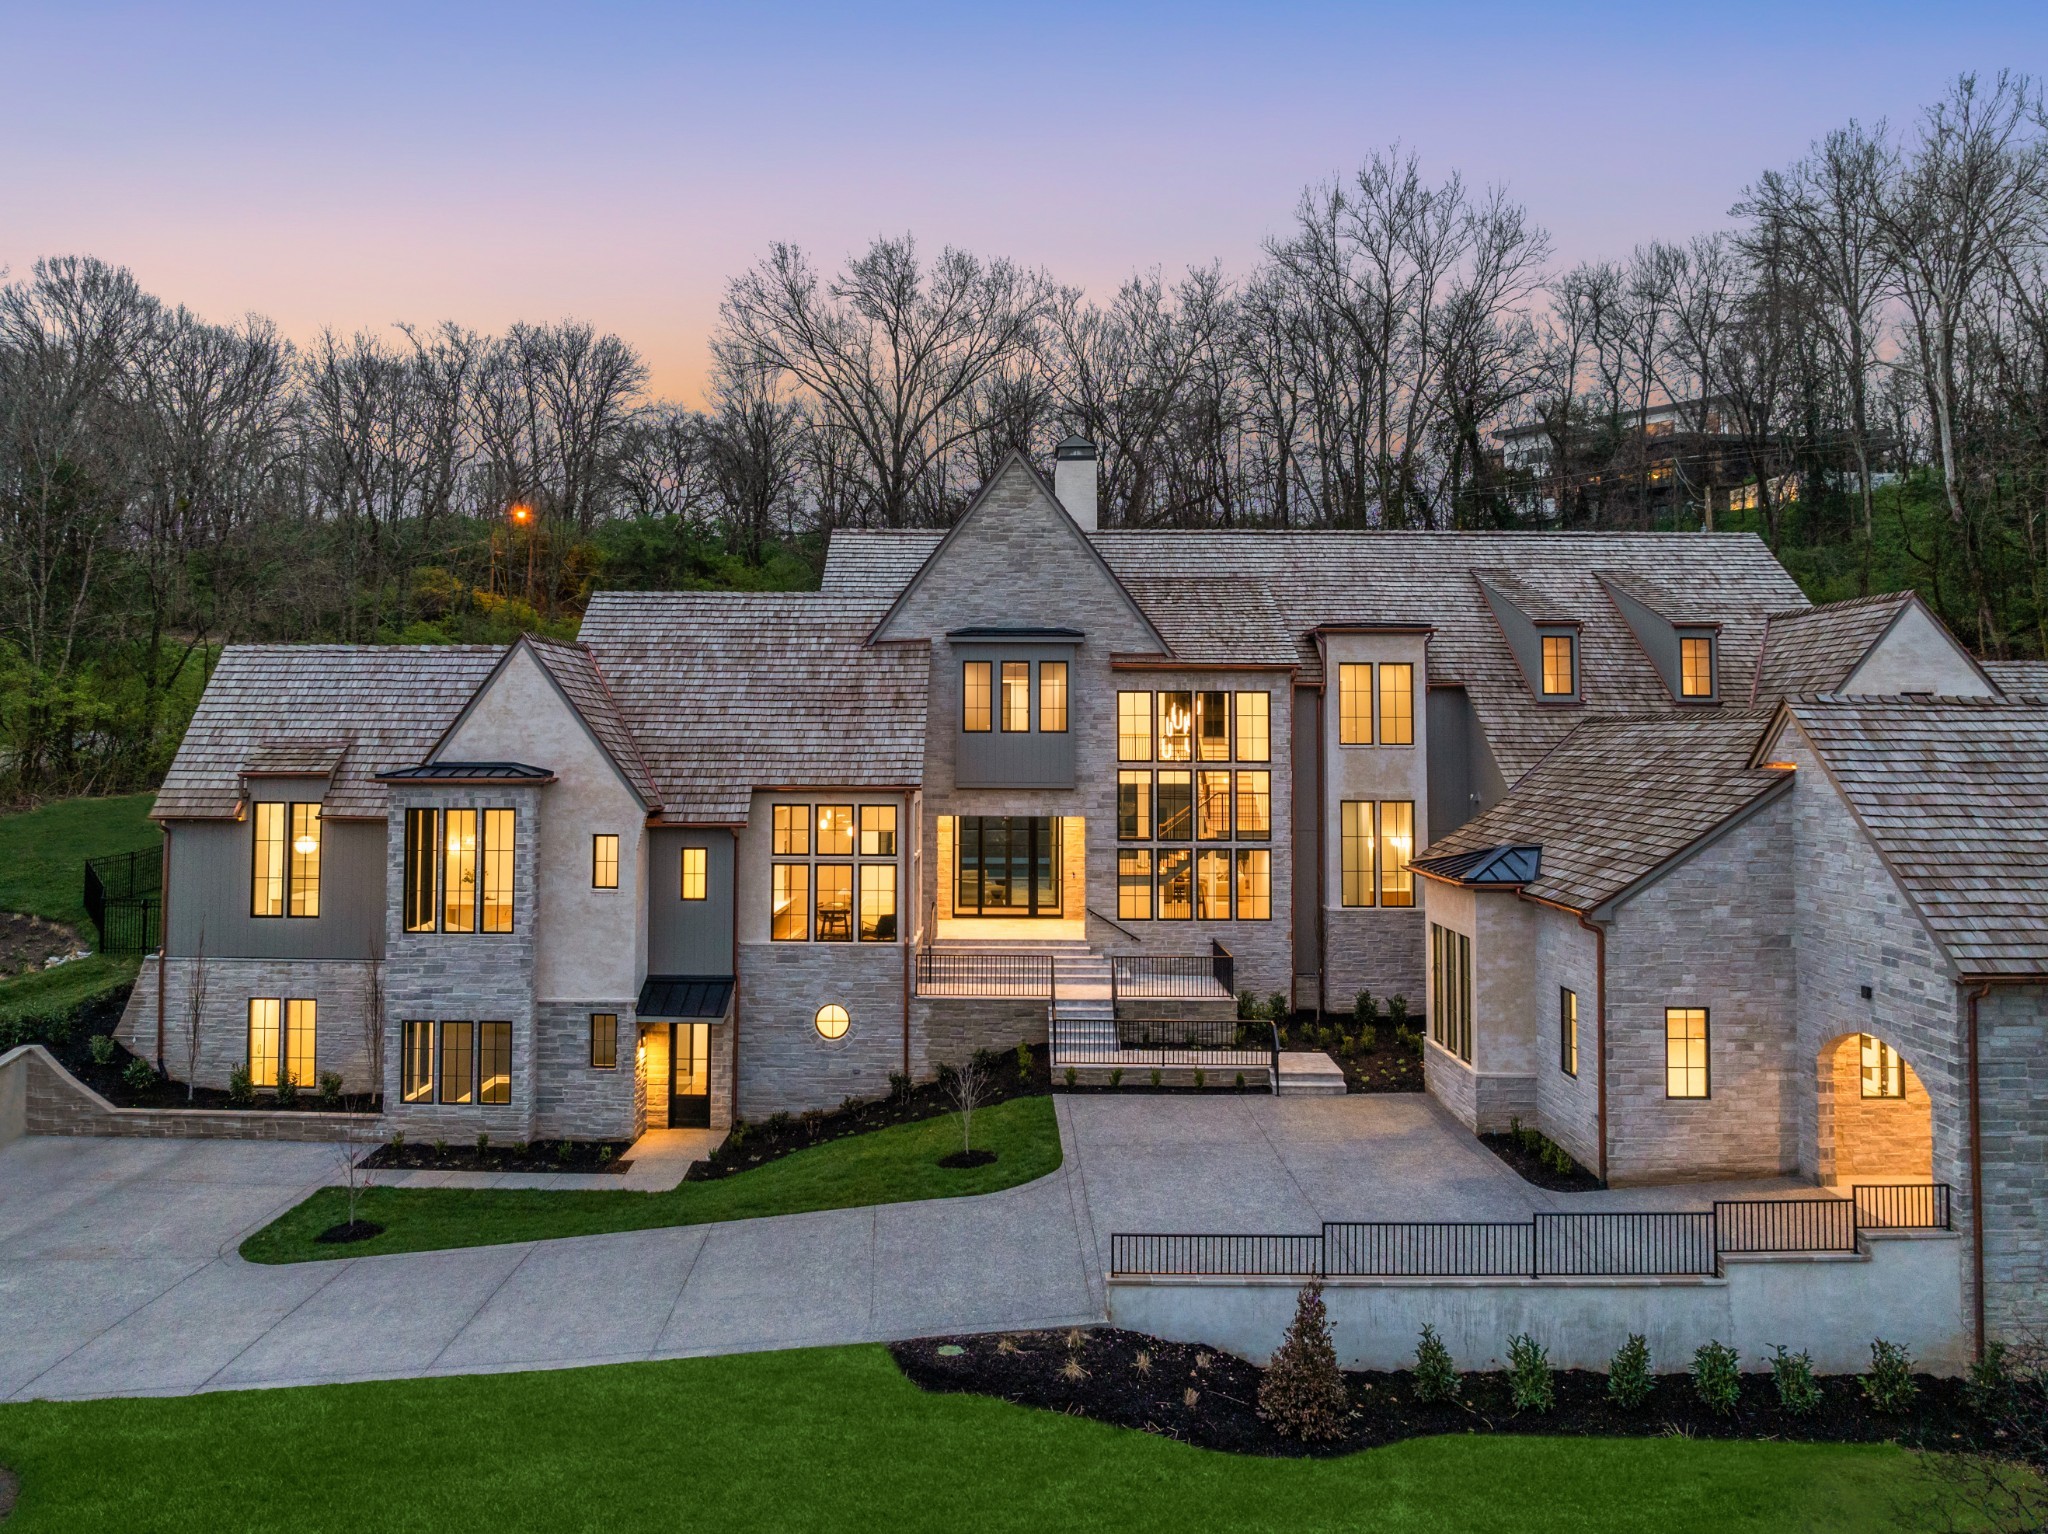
(1696, 667)
(604, 862)
(458, 871)
(1176, 884)
(283, 1042)
(1397, 704)
(878, 830)
(1254, 727)
(1450, 990)
(422, 838)
(1212, 885)
(494, 1063)
(1254, 884)
(1134, 727)
(835, 830)
(1017, 696)
(1254, 806)
(266, 1043)
(1884, 1073)
(1397, 846)
(604, 1041)
(1355, 850)
(1176, 727)
(1354, 705)
(497, 870)
(792, 837)
(695, 860)
(1685, 1052)
(1052, 697)
(1212, 726)
(974, 696)
(1134, 806)
(458, 1063)
(416, 1065)
(285, 864)
(459, 866)
(790, 914)
(1558, 669)
(1212, 806)
(1175, 806)
(1568, 1031)
(301, 1061)
(878, 902)
(835, 902)
(1134, 884)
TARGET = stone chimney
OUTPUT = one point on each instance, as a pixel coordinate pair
(1074, 480)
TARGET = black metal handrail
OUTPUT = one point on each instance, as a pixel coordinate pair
(1428, 1249)
(1902, 1206)
(1198, 1043)
(1624, 1244)
(1168, 976)
(1217, 1256)
(984, 972)
(1785, 1225)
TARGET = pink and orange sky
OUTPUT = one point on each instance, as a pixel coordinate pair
(362, 164)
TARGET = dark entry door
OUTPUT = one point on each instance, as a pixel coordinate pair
(689, 1094)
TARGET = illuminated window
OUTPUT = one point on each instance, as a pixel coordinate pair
(265, 1041)
(1052, 697)
(1134, 806)
(832, 1022)
(458, 871)
(1254, 884)
(494, 1063)
(1176, 884)
(604, 1041)
(1397, 705)
(878, 830)
(416, 1068)
(1134, 727)
(305, 861)
(458, 1063)
(835, 830)
(1884, 1073)
(792, 830)
(1356, 852)
(695, 860)
(1558, 678)
(1254, 806)
(422, 841)
(790, 914)
(1450, 990)
(1176, 727)
(1212, 886)
(301, 1061)
(1397, 845)
(1212, 726)
(835, 902)
(1016, 696)
(1134, 884)
(878, 902)
(1175, 806)
(1696, 668)
(497, 872)
(1212, 806)
(1254, 728)
(1685, 1051)
(1568, 1031)
(604, 862)
(1354, 705)
(266, 890)
(974, 696)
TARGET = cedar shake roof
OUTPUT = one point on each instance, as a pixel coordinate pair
(1617, 800)
(350, 710)
(1426, 579)
(1674, 609)
(728, 692)
(1216, 619)
(1814, 649)
(1954, 794)
(575, 672)
(2018, 678)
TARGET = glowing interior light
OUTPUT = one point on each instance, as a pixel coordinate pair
(306, 846)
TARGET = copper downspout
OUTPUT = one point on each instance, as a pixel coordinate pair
(163, 944)
(1322, 858)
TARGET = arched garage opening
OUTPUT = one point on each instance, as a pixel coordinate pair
(1876, 1122)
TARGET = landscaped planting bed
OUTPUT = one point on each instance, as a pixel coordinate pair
(481, 1155)
(1209, 1398)
(1541, 1160)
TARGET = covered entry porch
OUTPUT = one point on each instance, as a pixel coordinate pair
(684, 1053)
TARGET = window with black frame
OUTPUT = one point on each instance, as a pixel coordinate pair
(1194, 842)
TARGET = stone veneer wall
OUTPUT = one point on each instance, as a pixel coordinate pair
(57, 1103)
(2012, 1085)
(573, 1101)
(1567, 1107)
(947, 1030)
(784, 1065)
(1873, 1139)
(340, 989)
(1372, 948)
(1714, 932)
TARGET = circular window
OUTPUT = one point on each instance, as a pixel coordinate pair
(832, 1022)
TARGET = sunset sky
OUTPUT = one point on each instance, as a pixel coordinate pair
(359, 164)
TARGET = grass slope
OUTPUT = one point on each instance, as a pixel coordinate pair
(838, 1439)
(891, 1165)
(43, 851)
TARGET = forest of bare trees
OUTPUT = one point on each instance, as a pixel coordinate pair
(1857, 367)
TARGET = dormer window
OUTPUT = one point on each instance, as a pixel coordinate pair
(1696, 666)
(1560, 665)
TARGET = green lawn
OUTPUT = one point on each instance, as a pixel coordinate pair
(884, 1166)
(832, 1439)
(43, 851)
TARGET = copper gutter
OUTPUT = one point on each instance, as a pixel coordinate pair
(735, 980)
(163, 947)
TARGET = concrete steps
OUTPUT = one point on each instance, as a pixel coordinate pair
(1308, 1073)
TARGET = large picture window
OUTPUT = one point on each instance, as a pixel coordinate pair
(838, 901)
(1207, 805)
(285, 859)
(1685, 1052)
(463, 1064)
(1009, 865)
(459, 868)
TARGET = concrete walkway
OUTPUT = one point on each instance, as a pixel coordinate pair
(657, 1162)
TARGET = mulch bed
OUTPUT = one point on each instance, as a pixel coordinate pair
(1389, 1066)
(110, 1081)
(350, 1230)
(754, 1144)
(1210, 1399)
(527, 1156)
(1532, 1168)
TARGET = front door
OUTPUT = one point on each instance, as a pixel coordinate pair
(689, 1094)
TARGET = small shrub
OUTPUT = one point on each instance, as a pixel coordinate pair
(101, 1047)
(1436, 1377)
(1201, 1078)
(138, 1076)
(1302, 1392)
(483, 1146)
(330, 1087)
(812, 1118)
(1276, 1007)
(1989, 1383)
(1397, 1013)
(287, 1089)
(1368, 1039)
(1889, 1385)
(440, 1148)
(1247, 1004)
(1717, 1377)
(398, 1139)
(1155, 1076)
(1072, 1077)
(605, 1154)
(1116, 1076)
(1240, 1081)
(1530, 1385)
(899, 1084)
(779, 1121)
(1792, 1373)
(1628, 1375)
(562, 1150)
(1023, 1061)
(737, 1135)
(242, 1091)
(1364, 1010)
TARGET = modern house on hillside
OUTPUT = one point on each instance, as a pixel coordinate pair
(1696, 877)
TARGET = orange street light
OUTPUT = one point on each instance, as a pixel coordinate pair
(521, 513)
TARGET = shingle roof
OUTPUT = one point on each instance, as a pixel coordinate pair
(1619, 798)
(1814, 649)
(575, 672)
(2018, 678)
(384, 705)
(1216, 619)
(1672, 607)
(726, 692)
(1954, 792)
(1426, 579)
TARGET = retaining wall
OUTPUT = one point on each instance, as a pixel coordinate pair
(39, 1097)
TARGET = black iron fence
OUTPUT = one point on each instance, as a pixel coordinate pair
(1208, 1044)
(1173, 976)
(984, 972)
(124, 897)
(1617, 1244)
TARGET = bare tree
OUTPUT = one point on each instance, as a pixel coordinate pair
(195, 1013)
(968, 1088)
